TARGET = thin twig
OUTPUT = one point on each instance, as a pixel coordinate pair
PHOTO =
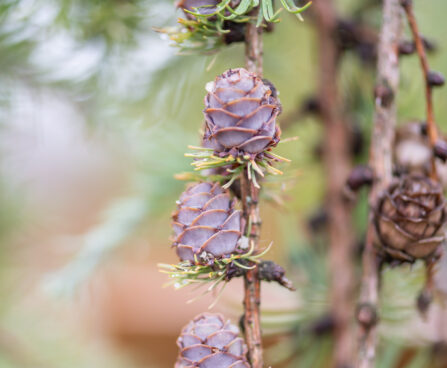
(380, 161)
(337, 161)
(420, 48)
(253, 46)
(250, 211)
(426, 295)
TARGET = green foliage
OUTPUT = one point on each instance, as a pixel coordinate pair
(155, 123)
(242, 11)
(204, 31)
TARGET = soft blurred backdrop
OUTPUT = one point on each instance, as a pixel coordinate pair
(96, 112)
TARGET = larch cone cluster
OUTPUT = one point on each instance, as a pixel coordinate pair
(206, 224)
(208, 341)
(240, 114)
(410, 218)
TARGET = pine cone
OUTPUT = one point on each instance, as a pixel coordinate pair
(240, 114)
(206, 224)
(210, 342)
(410, 218)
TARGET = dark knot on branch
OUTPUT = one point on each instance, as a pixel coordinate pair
(367, 315)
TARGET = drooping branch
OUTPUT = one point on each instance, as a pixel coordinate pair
(431, 79)
(250, 211)
(428, 75)
(380, 161)
(337, 161)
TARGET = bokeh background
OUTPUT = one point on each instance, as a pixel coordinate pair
(96, 112)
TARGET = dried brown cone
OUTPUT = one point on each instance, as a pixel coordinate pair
(208, 341)
(410, 218)
(206, 224)
(240, 114)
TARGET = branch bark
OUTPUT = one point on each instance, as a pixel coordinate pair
(250, 212)
(337, 161)
(253, 46)
(380, 161)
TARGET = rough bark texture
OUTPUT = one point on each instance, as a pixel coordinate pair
(250, 212)
(380, 161)
(252, 283)
(337, 161)
(253, 46)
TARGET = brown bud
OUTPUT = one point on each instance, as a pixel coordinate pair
(384, 94)
(440, 150)
(367, 315)
(323, 325)
(311, 105)
(318, 220)
(361, 175)
(270, 271)
(406, 48)
(429, 45)
(435, 79)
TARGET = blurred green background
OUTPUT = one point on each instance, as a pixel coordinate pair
(96, 112)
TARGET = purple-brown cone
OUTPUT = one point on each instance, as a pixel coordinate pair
(210, 342)
(206, 225)
(240, 114)
(410, 218)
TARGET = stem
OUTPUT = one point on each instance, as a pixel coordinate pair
(337, 160)
(252, 283)
(253, 46)
(380, 161)
(250, 212)
(431, 125)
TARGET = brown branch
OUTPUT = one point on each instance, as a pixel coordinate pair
(250, 211)
(380, 161)
(253, 46)
(252, 282)
(420, 48)
(337, 161)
